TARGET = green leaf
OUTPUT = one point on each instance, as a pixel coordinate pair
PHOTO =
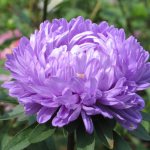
(5, 139)
(38, 146)
(141, 133)
(104, 129)
(40, 133)
(5, 98)
(120, 143)
(139, 10)
(20, 140)
(85, 141)
(146, 116)
(23, 117)
(29, 135)
(17, 111)
(50, 142)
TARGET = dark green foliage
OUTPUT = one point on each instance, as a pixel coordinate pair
(104, 129)
(85, 141)
(120, 143)
(17, 111)
(141, 133)
(29, 135)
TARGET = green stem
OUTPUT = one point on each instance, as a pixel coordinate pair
(95, 10)
(45, 10)
(71, 141)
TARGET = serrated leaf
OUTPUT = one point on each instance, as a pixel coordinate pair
(104, 130)
(85, 141)
(40, 133)
(120, 143)
(141, 133)
(146, 116)
(17, 111)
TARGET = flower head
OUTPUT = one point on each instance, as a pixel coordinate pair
(68, 69)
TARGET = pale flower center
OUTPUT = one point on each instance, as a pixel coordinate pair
(80, 75)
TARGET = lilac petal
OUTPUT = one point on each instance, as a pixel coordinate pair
(128, 125)
(66, 73)
(87, 99)
(54, 86)
(79, 36)
(35, 98)
(80, 63)
(139, 102)
(103, 26)
(32, 108)
(131, 116)
(74, 24)
(107, 79)
(113, 102)
(16, 89)
(8, 84)
(63, 112)
(117, 90)
(87, 122)
(45, 114)
(75, 114)
(23, 43)
(61, 118)
(143, 86)
(97, 110)
(91, 86)
(67, 99)
(144, 80)
(134, 116)
(113, 92)
(92, 68)
(49, 103)
(76, 85)
(42, 91)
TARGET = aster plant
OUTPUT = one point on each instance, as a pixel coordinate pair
(82, 77)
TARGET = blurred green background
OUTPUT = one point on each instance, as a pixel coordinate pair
(22, 17)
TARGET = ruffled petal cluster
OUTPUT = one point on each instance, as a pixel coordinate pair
(79, 68)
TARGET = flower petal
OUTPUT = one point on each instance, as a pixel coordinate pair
(87, 122)
(45, 114)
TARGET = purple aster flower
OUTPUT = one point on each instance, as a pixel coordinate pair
(68, 69)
